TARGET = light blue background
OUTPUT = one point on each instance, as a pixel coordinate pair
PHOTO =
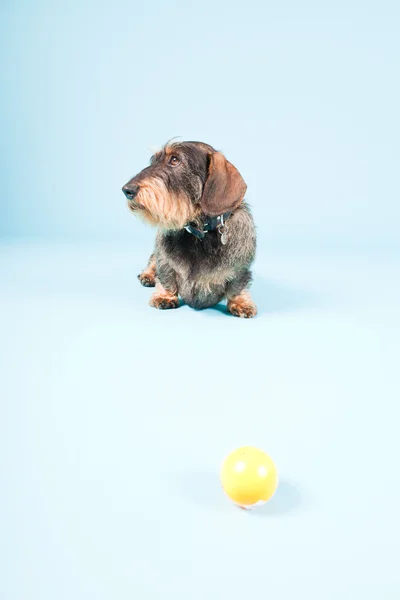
(114, 418)
(303, 96)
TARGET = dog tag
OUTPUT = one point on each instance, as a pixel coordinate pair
(224, 236)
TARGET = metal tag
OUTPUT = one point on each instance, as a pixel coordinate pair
(223, 232)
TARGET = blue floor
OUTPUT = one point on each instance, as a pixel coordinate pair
(114, 419)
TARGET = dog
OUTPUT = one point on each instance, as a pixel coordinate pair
(206, 239)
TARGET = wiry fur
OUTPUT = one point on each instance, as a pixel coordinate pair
(164, 208)
(202, 272)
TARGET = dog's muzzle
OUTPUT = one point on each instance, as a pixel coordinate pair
(131, 190)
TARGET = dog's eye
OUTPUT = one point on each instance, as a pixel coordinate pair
(174, 160)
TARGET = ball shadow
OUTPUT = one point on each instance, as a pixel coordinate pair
(204, 488)
(287, 499)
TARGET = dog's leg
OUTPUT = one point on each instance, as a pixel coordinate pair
(240, 303)
(148, 276)
(166, 293)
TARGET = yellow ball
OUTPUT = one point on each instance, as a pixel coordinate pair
(249, 477)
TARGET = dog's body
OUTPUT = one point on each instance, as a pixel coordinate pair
(206, 240)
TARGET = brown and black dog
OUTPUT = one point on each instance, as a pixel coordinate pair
(206, 238)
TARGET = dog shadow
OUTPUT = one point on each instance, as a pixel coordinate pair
(274, 297)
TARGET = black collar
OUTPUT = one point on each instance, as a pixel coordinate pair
(211, 224)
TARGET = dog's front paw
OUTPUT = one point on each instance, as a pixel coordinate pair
(147, 279)
(244, 310)
(164, 301)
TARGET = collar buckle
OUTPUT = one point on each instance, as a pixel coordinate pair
(212, 224)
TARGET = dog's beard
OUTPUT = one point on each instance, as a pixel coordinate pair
(163, 208)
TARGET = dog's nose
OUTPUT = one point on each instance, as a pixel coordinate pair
(130, 190)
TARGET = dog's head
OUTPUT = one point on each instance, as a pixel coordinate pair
(183, 181)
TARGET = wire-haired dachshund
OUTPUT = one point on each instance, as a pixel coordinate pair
(206, 238)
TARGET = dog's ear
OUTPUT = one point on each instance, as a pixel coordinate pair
(224, 189)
